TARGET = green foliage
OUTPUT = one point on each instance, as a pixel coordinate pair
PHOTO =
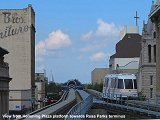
(97, 87)
(53, 90)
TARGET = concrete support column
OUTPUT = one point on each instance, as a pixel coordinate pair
(4, 103)
(7, 97)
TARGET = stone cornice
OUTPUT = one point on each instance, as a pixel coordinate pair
(149, 65)
(5, 79)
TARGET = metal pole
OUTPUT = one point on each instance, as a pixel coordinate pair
(107, 97)
(116, 98)
(121, 99)
(148, 105)
(111, 97)
(127, 101)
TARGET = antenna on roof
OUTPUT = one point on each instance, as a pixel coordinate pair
(136, 17)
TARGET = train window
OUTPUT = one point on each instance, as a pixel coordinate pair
(120, 84)
(113, 82)
(135, 84)
(128, 83)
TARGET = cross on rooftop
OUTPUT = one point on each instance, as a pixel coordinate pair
(136, 17)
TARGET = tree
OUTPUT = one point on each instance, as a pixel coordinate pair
(97, 87)
(53, 90)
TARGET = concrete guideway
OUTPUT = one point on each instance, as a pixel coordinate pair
(126, 106)
(57, 108)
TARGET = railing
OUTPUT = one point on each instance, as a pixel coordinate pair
(41, 109)
(134, 102)
(80, 109)
(138, 104)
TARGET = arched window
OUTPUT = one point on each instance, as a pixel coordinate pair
(149, 53)
(154, 53)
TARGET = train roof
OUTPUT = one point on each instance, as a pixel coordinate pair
(122, 76)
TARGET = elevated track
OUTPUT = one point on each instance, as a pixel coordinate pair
(80, 102)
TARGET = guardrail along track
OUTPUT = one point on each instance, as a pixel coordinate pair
(66, 102)
(145, 108)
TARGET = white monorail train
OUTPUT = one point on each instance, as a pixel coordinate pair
(119, 85)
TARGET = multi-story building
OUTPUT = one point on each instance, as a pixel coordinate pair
(126, 58)
(4, 84)
(154, 16)
(40, 82)
(17, 35)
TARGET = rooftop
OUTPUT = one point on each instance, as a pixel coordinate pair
(128, 47)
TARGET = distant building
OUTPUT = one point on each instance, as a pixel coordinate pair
(4, 84)
(98, 75)
(126, 58)
(17, 35)
(128, 30)
(40, 82)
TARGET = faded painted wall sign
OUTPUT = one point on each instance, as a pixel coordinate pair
(14, 24)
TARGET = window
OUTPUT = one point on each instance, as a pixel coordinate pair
(149, 53)
(113, 83)
(154, 34)
(120, 84)
(151, 80)
(135, 83)
(151, 92)
(128, 83)
(154, 53)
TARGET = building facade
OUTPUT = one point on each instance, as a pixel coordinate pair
(17, 35)
(4, 84)
(126, 58)
(40, 83)
(98, 75)
(155, 18)
(147, 66)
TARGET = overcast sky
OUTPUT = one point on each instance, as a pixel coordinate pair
(75, 36)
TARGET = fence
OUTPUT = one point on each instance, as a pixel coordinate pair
(130, 101)
(80, 109)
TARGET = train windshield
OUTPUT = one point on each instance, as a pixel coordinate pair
(128, 83)
(120, 84)
(135, 84)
